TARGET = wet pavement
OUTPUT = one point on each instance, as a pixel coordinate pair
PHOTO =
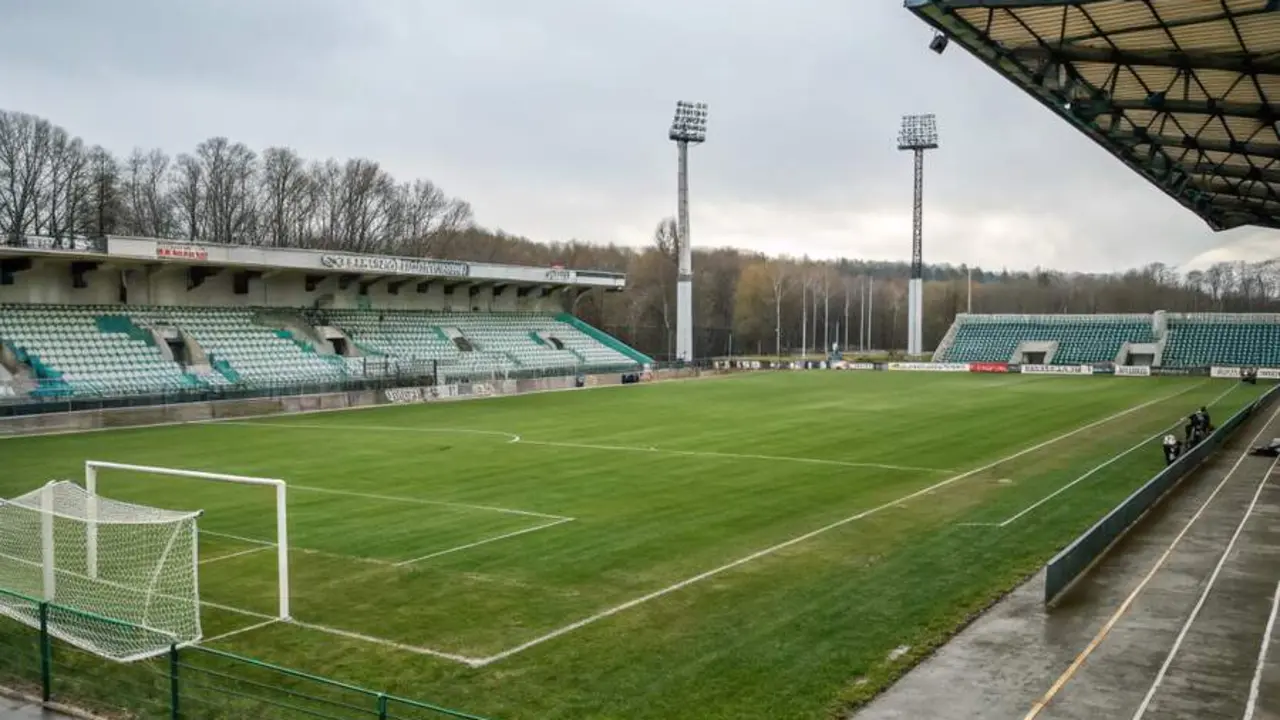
(13, 709)
(1169, 625)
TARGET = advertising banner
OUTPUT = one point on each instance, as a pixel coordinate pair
(1057, 369)
(989, 367)
(929, 367)
(1232, 373)
(1133, 370)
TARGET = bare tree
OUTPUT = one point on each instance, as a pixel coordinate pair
(149, 204)
(103, 203)
(188, 196)
(778, 276)
(287, 198)
(24, 151)
(229, 204)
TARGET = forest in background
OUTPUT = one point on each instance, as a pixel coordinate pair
(53, 183)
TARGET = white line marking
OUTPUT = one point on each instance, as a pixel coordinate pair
(265, 544)
(801, 538)
(419, 501)
(220, 558)
(1065, 677)
(733, 456)
(415, 649)
(1204, 595)
(1091, 471)
(233, 633)
(511, 437)
(1256, 686)
(486, 541)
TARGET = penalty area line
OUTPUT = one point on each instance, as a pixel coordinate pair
(485, 541)
(481, 662)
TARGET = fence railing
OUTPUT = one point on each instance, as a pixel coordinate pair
(1086, 550)
(193, 682)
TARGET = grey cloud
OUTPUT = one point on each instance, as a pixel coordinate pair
(551, 116)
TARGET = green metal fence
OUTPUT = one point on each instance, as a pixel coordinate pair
(1084, 552)
(186, 682)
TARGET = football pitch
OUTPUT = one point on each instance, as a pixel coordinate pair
(761, 546)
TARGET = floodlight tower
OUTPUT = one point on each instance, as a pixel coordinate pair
(918, 133)
(689, 126)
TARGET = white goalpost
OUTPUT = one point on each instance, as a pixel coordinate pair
(118, 579)
(91, 468)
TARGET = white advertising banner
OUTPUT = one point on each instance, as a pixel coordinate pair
(1057, 369)
(1133, 370)
(929, 367)
(1227, 372)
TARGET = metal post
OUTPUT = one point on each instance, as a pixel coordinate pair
(282, 549)
(969, 305)
(684, 286)
(46, 655)
(918, 133)
(689, 126)
(871, 305)
(47, 554)
(175, 688)
(91, 528)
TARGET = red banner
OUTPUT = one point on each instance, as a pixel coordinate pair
(988, 367)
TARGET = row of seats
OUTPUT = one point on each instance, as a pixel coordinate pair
(93, 350)
(1080, 339)
(1192, 343)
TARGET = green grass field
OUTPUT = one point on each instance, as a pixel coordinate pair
(764, 546)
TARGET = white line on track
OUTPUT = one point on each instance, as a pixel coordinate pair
(1101, 635)
(801, 538)
(1204, 595)
(485, 541)
(1256, 686)
(1141, 444)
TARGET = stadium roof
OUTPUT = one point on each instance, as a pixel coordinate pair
(1185, 92)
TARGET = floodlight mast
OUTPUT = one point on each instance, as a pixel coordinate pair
(918, 133)
(689, 126)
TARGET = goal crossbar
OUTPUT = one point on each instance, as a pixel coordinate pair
(91, 468)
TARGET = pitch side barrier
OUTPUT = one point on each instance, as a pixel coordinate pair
(1075, 560)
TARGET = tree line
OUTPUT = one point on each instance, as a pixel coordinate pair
(55, 184)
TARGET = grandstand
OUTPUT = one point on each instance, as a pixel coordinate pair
(1173, 340)
(311, 320)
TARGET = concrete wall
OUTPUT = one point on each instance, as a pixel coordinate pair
(83, 420)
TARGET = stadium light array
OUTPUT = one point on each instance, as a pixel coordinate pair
(688, 126)
(690, 122)
(919, 132)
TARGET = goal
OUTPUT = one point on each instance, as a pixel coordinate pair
(92, 481)
(117, 579)
(132, 598)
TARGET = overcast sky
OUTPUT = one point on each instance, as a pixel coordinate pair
(550, 117)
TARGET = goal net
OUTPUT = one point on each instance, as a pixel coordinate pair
(119, 578)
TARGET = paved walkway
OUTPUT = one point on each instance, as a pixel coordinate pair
(11, 709)
(1170, 625)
